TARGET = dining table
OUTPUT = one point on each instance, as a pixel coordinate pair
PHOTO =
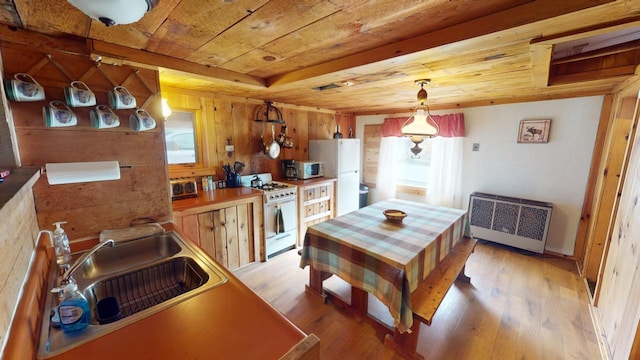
(388, 259)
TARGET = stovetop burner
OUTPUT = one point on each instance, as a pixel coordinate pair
(273, 186)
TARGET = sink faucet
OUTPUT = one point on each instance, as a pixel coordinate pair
(67, 274)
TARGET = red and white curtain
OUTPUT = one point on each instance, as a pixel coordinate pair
(444, 185)
(444, 181)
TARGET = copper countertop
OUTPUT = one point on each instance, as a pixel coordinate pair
(306, 182)
(206, 198)
(227, 322)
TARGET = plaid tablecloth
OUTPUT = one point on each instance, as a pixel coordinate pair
(383, 258)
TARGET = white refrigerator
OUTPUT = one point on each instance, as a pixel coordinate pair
(341, 159)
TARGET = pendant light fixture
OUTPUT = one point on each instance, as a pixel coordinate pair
(420, 124)
(115, 12)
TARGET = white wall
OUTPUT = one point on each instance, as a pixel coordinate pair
(554, 172)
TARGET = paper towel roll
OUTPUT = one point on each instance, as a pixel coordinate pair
(69, 173)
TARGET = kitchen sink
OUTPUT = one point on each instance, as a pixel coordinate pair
(113, 260)
(136, 278)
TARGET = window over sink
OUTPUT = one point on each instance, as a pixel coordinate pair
(181, 138)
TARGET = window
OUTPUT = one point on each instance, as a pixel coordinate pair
(413, 171)
(181, 138)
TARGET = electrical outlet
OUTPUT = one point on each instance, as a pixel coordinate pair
(476, 147)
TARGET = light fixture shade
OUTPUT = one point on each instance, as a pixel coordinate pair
(421, 126)
(114, 12)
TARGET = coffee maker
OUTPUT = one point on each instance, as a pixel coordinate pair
(289, 171)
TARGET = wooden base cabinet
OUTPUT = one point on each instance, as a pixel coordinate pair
(230, 233)
(316, 201)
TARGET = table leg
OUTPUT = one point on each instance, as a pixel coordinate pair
(359, 301)
(316, 277)
(405, 344)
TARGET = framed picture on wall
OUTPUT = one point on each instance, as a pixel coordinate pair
(534, 131)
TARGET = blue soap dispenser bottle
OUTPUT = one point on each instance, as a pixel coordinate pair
(74, 311)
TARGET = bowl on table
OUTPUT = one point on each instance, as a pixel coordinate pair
(395, 216)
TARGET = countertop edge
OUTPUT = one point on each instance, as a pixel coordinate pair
(129, 335)
(218, 197)
(18, 180)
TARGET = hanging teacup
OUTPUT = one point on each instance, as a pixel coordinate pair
(57, 114)
(121, 98)
(102, 117)
(141, 120)
(23, 87)
(79, 94)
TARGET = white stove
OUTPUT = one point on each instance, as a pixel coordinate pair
(280, 213)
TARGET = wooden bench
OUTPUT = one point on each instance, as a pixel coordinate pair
(426, 299)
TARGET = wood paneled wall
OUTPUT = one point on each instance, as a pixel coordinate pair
(608, 184)
(19, 233)
(143, 189)
(618, 293)
(231, 117)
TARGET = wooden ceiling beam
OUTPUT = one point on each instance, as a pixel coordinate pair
(124, 55)
(533, 11)
(143, 58)
(611, 50)
(12, 35)
(540, 59)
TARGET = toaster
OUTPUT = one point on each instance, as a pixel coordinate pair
(183, 188)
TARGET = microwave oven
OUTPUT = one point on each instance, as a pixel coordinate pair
(309, 169)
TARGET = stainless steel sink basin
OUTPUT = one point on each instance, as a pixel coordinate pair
(144, 288)
(113, 260)
(142, 276)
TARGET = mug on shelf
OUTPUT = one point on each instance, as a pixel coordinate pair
(121, 98)
(141, 120)
(102, 117)
(23, 87)
(58, 114)
(79, 94)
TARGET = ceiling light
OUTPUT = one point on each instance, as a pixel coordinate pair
(420, 124)
(115, 12)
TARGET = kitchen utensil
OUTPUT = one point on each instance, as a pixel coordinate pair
(79, 94)
(238, 167)
(256, 182)
(57, 114)
(272, 150)
(283, 138)
(121, 98)
(141, 120)
(103, 117)
(23, 87)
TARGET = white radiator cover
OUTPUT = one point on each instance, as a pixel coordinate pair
(510, 221)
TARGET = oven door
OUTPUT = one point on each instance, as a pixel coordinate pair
(289, 218)
(281, 227)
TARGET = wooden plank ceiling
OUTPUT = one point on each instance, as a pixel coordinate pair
(367, 52)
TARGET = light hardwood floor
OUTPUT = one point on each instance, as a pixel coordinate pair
(517, 307)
